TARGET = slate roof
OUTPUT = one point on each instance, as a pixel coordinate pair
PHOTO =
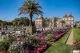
(70, 15)
(40, 17)
(67, 16)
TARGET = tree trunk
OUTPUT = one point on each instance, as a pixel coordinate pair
(30, 20)
(62, 24)
(31, 26)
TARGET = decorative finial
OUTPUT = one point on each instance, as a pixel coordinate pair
(40, 16)
(65, 13)
(70, 12)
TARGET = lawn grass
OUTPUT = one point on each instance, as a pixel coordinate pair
(60, 46)
(76, 34)
(64, 38)
(29, 28)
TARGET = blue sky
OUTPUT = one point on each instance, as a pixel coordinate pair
(50, 8)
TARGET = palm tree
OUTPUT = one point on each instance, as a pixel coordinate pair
(30, 7)
(63, 22)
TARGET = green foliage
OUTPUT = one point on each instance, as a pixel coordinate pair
(47, 21)
(49, 37)
(6, 42)
(3, 23)
(11, 38)
(15, 49)
(17, 21)
(31, 41)
(12, 49)
(78, 47)
(30, 7)
(4, 45)
(21, 21)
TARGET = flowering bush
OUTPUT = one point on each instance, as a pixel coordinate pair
(76, 45)
(4, 45)
(4, 51)
(30, 44)
(49, 37)
(14, 48)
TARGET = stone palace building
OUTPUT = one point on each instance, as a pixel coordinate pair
(66, 21)
(77, 23)
(39, 22)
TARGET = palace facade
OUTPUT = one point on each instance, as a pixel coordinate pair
(39, 22)
(66, 21)
(77, 23)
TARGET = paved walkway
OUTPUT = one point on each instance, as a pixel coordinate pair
(70, 39)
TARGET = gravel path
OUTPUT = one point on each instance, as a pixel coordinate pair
(70, 39)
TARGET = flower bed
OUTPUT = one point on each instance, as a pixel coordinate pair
(4, 51)
(59, 35)
(76, 46)
(35, 43)
(38, 49)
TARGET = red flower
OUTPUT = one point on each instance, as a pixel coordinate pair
(4, 51)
